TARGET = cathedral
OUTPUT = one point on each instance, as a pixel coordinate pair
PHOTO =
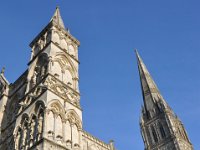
(41, 109)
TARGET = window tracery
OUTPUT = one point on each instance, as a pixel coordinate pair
(162, 131)
(63, 126)
(154, 134)
(67, 71)
(29, 131)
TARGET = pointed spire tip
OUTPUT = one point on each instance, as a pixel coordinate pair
(137, 55)
(135, 49)
(136, 52)
(57, 18)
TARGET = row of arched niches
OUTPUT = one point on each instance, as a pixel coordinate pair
(53, 122)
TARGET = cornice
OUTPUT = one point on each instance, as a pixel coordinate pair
(94, 139)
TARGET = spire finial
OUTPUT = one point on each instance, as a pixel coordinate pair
(3, 70)
(135, 49)
(136, 53)
(57, 18)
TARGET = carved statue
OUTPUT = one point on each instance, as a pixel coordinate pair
(41, 43)
(34, 79)
(43, 71)
(24, 136)
(40, 126)
(17, 139)
(32, 131)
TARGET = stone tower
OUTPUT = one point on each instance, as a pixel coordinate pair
(161, 129)
(41, 109)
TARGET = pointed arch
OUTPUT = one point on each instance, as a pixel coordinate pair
(64, 59)
(74, 118)
(36, 108)
(56, 107)
(39, 106)
(25, 117)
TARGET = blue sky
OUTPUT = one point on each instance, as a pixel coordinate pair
(166, 34)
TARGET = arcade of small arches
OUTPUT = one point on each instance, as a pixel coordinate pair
(30, 129)
(67, 70)
(61, 126)
(61, 123)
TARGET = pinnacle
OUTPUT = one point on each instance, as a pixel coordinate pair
(3, 70)
(57, 18)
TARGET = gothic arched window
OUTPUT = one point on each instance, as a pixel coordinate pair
(155, 138)
(162, 131)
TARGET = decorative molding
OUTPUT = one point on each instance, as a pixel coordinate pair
(62, 90)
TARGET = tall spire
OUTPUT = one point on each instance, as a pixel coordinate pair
(57, 18)
(160, 127)
(150, 92)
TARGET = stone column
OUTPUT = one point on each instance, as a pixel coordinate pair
(64, 130)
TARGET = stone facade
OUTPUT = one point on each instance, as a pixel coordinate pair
(41, 109)
(161, 129)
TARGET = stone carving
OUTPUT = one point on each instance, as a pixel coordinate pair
(25, 131)
(40, 126)
(62, 90)
(17, 139)
(73, 119)
(39, 44)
